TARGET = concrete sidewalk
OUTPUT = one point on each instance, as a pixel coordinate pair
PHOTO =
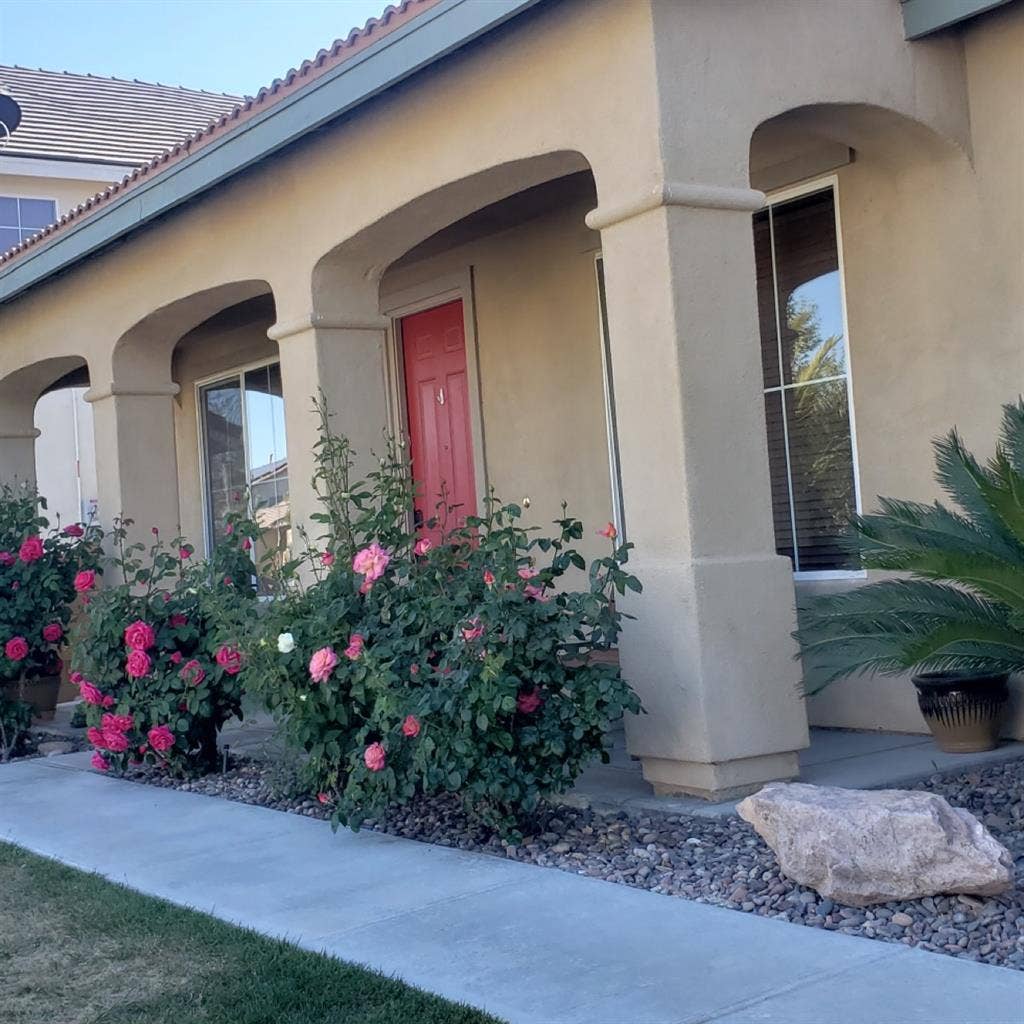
(526, 943)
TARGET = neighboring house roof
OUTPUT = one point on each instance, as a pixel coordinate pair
(390, 49)
(66, 116)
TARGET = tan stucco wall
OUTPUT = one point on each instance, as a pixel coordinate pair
(68, 192)
(934, 266)
(226, 344)
(660, 100)
(540, 371)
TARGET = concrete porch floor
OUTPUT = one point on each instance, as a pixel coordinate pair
(836, 757)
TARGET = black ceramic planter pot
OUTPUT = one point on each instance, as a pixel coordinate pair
(964, 710)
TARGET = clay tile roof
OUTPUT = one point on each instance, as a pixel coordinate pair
(297, 78)
(103, 120)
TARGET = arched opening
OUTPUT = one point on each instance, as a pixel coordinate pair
(874, 279)
(495, 345)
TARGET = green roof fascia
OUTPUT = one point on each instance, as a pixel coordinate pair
(922, 17)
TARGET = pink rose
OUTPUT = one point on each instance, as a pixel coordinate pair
(247, 544)
(95, 736)
(6, 558)
(117, 723)
(324, 798)
(108, 701)
(100, 763)
(53, 632)
(115, 741)
(184, 553)
(488, 577)
(355, 646)
(229, 529)
(155, 530)
(375, 757)
(527, 703)
(230, 659)
(609, 531)
(527, 572)
(192, 673)
(371, 562)
(474, 630)
(160, 737)
(322, 664)
(411, 726)
(423, 545)
(16, 648)
(138, 664)
(176, 658)
(327, 558)
(365, 587)
(178, 620)
(75, 678)
(90, 694)
(31, 549)
(74, 530)
(85, 580)
(139, 636)
(537, 593)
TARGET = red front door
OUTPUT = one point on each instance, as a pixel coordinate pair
(437, 396)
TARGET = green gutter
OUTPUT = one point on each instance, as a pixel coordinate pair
(922, 17)
(421, 42)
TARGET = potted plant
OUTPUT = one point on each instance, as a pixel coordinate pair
(38, 572)
(956, 618)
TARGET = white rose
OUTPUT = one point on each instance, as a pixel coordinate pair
(286, 643)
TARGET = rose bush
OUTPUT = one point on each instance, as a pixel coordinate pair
(467, 667)
(156, 683)
(38, 570)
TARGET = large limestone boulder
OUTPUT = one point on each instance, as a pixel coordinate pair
(870, 846)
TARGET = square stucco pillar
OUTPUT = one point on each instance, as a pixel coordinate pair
(710, 651)
(346, 361)
(136, 458)
(18, 455)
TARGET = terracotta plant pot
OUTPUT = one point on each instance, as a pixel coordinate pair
(40, 692)
(964, 711)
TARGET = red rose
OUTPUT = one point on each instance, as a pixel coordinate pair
(139, 636)
(85, 580)
(16, 648)
(527, 703)
(230, 659)
(53, 632)
(74, 530)
(137, 664)
(31, 549)
(160, 737)
(192, 673)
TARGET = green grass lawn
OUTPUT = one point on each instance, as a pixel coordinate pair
(75, 949)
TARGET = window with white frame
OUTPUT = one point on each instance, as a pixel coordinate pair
(804, 354)
(244, 453)
(22, 217)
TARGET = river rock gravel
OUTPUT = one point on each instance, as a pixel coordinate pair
(720, 861)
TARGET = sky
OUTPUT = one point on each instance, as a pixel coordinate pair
(232, 46)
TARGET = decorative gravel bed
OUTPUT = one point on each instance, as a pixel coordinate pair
(40, 743)
(720, 861)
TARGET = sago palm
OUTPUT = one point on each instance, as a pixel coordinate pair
(960, 605)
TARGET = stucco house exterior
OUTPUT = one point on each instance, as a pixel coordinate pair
(717, 272)
(79, 133)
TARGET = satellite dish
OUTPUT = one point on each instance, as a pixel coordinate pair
(10, 115)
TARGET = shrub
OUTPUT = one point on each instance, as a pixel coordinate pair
(39, 567)
(15, 719)
(156, 684)
(405, 668)
(961, 607)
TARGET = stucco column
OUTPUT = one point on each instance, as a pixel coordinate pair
(346, 360)
(136, 459)
(18, 454)
(710, 651)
